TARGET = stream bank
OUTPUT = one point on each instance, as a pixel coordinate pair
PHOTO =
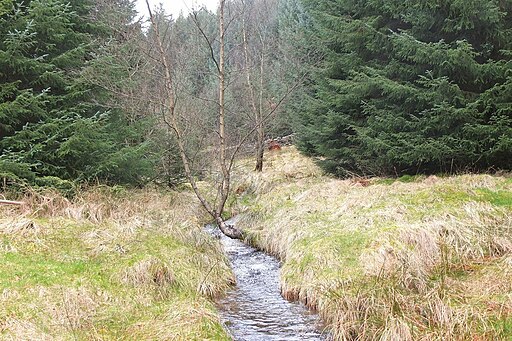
(255, 310)
(365, 253)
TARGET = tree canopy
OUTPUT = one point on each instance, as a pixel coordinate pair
(407, 87)
(388, 87)
(53, 122)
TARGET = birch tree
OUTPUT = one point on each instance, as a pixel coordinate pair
(266, 86)
(173, 118)
(185, 71)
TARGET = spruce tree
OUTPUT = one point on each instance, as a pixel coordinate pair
(53, 122)
(408, 87)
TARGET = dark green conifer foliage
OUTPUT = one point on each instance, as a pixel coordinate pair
(411, 86)
(53, 122)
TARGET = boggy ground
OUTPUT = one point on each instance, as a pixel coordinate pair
(415, 258)
(111, 264)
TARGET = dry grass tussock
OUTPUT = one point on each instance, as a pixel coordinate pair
(149, 272)
(72, 308)
(109, 264)
(12, 329)
(19, 226)
(386, 259)
(100, 204)
(179, 323)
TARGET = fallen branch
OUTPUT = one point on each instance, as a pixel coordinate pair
(10, 202)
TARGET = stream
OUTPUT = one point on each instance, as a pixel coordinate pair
(255, 310)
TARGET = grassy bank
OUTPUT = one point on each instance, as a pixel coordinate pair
(423, 258)
(111, 264)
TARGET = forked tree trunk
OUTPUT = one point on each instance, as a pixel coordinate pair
(228, 229)
(223, 191)
(171, 120)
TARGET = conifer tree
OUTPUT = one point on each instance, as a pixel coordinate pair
(52, 121)
(407, 87)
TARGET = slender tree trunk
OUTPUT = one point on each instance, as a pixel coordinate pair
(225, 185)
(260, 150)
(170, 119)
(260, 128)
(256, 110)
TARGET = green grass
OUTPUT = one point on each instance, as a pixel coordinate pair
(504, 326)
(367, 256)
(20, 271)
(384, 181)
(436, 197)
(409, 178)
(74, 279)
(498, 197)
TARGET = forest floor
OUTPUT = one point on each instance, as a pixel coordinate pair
(111, 264)
(414, 258)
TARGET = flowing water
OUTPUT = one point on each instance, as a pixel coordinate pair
(255, 310)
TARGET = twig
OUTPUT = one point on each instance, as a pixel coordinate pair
(10, 202)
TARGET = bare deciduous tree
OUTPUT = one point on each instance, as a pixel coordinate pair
(171, 119)
(175, 65)
(260, 41)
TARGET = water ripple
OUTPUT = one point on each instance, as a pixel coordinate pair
(255, 310)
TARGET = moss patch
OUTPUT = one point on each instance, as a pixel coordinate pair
(498, 197)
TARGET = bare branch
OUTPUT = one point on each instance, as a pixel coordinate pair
(210, 45)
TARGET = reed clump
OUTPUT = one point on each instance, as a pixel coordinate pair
(414, 258)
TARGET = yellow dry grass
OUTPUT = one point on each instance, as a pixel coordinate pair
(381, 258)
(110, 264)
